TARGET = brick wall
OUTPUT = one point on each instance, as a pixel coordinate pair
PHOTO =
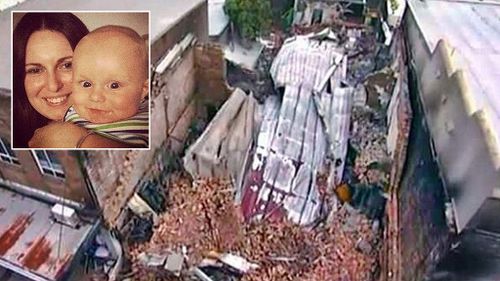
(195, 22)
(211, 73)
(398, 137)
(416, 233)
(115, 174)
(28, 173)
(423, 228)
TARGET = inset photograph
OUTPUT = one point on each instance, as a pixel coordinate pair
(80, 80)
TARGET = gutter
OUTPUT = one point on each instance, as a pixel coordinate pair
(28, 274)
(42, 195)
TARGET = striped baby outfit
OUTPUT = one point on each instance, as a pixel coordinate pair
(133, 130)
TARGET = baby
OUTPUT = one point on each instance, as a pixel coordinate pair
(110, 85)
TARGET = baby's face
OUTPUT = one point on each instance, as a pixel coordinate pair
(109, 80)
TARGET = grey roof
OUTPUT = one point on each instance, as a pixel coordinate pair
(163, 15)
(463, 109)
(472, 29)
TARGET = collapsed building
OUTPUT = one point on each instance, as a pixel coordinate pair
(285, 159)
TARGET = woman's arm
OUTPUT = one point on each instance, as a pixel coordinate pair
(67, 135)
(98, 141)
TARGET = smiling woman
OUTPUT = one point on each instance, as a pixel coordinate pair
(43, 45)
(74, 89)
(48, 74)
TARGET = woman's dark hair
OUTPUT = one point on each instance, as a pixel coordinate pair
(25, 118)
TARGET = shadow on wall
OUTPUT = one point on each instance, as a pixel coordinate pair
(424, 234)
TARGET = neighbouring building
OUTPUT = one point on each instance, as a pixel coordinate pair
(328, 11)
(449, 195)
(31, 184)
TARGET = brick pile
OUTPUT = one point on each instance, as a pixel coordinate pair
(202, 217)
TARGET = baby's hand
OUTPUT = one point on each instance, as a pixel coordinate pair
(57, 135)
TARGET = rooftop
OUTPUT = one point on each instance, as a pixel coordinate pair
(466, 34)
(472, 29)
(31, 244)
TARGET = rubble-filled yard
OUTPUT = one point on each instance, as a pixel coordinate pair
(288, 183)
(202, 218)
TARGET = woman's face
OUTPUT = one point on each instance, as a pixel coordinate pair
(48, 71)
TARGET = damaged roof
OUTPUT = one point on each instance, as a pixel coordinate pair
(287, 174)
(31, 244)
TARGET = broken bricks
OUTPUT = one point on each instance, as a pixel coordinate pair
(203, 216)
(282, 250)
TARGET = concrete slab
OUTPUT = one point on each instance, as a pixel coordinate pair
(247, 58)
(218, 20)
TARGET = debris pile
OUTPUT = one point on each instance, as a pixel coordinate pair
(362, 52)
(343, 249)
(202, 218)
(368, 139)
(204, 235)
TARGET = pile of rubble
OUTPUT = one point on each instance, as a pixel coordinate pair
(202, 218)
(368, 139)
(203, 235)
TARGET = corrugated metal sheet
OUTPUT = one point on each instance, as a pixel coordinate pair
(29, 240)
(472, 28)
(292, 145)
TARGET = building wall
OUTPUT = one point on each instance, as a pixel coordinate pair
(211, 71)
(470, 175)
(456, 124)
(27, 173)
(195, 22)
(401, 115)
(424, 234)
(179, 90)
(116, 174)
(417, 234)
